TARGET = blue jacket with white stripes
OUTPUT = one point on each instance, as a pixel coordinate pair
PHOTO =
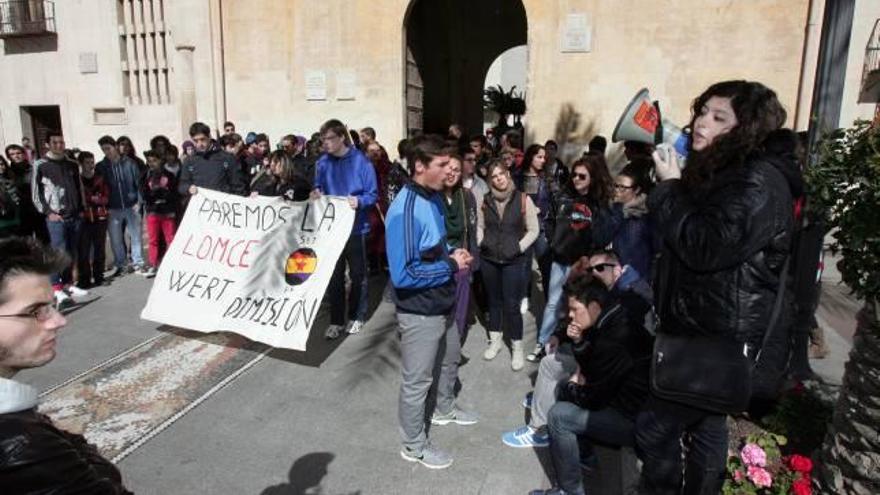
(418, 259)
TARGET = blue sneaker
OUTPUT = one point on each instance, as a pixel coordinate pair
(525, 437)
(527, 400)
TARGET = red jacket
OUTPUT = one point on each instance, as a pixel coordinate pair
(96, 195)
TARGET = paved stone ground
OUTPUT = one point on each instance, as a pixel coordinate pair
(323, 421)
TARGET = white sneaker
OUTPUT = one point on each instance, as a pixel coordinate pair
(151, 272)
(61, 298)
(524, 305)
(76, 291)
(355, 327)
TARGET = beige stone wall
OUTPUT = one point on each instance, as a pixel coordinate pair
(866, 14)
(258, 55)
(53, 78)
(270, 44)
(672, 47)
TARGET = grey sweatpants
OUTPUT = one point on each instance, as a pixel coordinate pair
(553, 368)
(429, 348)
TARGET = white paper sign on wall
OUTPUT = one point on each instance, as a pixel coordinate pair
(316, 85)
(577, 34)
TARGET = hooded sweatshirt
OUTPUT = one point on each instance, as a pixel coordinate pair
(351, 174)
(56, 186)
(581, 226)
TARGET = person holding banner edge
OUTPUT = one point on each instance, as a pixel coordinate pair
(423, 278)
(343, 170)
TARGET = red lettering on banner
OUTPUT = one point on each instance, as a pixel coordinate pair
(222, 250)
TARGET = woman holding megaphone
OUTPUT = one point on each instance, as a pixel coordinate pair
(726, 223)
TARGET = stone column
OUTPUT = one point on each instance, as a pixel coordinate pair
(186, 87)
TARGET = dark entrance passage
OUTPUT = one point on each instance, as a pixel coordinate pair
(452, 44)
(37, 121)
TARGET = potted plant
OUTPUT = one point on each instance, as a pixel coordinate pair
(844, 186)
(504, 104)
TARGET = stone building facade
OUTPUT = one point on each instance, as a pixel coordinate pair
(146, 67)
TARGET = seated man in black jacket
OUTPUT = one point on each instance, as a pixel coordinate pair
(600, 400)
(36, 456)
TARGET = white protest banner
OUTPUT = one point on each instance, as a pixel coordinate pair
(254, 266)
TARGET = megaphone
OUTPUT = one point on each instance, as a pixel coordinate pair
(642, 122)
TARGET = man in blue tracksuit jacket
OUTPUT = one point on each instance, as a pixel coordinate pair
(422, 274)
(344, 171)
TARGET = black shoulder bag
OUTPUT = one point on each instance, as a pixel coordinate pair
(678, 368)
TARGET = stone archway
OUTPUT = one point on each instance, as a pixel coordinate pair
(449, 45)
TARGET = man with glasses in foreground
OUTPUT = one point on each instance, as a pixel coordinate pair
(36, 455)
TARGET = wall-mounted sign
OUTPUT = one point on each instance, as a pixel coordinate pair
(346, 83)
(577, 34)
(316, 85)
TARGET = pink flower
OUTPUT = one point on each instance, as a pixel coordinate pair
(738, 475)
(760, 477)
(753, 455)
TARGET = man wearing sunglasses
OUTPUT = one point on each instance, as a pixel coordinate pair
(36, 455)
(625, 283)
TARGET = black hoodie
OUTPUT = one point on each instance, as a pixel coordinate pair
(582, 226)
(57, 187)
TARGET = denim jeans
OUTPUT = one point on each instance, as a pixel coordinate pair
(505, 286)
(429, 353)
(659, 430)
(558, 275)
(544, 257)
(355, 257)
(64, 236)
(567, 422)
(132, 220)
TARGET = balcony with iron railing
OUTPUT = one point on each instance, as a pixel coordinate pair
(26, 18)
(870, 89)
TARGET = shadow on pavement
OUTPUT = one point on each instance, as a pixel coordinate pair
(76, 306)
(305, 476)
(376, 355)
(318, 349)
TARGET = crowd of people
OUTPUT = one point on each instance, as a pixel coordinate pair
(660, 283)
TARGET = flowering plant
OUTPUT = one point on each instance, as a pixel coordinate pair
(759, 468)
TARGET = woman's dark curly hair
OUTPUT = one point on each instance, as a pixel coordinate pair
(601, 183)
(758, 113)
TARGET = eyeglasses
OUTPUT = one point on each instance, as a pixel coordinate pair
(41, 313)
(581, 176)
(601, 267)
(621, 186)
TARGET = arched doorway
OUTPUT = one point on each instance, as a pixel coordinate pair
(449, 46)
